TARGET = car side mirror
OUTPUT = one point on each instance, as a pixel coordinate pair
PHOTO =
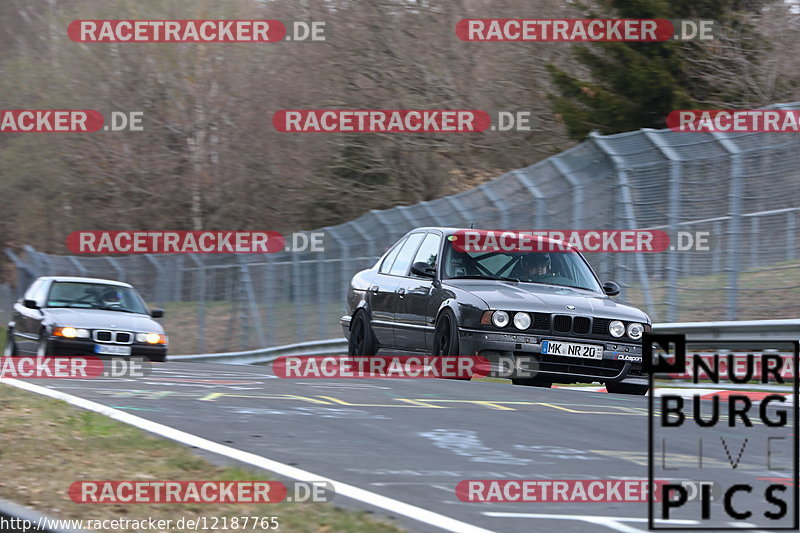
(611, 288)
(157, 313)
(30, 304)
(423, 269)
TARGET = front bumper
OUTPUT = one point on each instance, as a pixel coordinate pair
(622, 361)
(344, 321)
(60, 346)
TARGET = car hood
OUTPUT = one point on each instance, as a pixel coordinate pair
(533, 297)
(100, 319)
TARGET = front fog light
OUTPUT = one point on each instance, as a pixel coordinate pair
(500, 319)
(522, 321)
(635, 331)
(616, 328)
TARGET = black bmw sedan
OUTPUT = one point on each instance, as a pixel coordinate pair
(84, 316)
(542, 308)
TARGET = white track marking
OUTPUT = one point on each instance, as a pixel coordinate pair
(745, 524)
(343, 489)
(612, 522)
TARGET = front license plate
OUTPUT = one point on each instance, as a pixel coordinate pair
(572, 349)
(112, 350)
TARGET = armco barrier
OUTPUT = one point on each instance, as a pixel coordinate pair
(265, 355)
(788, 329)
(745, 330)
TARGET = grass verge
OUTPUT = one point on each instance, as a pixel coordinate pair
(46, 444)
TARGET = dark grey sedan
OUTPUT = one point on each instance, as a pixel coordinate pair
(542, 309)
(84, 316)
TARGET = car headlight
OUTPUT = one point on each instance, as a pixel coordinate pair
(68, 332)
(500, 319)
(616, 328)
(151, 338)
(635, 331)
(522, 321)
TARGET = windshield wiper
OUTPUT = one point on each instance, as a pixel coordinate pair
(498, 278)
(118, 309)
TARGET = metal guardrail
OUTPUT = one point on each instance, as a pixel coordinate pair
(265, 355)
(744, 330)
(788, 329)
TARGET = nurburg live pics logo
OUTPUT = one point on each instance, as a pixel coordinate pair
(740, 447)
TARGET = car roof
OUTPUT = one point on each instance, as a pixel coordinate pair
(450, 231)
(76, 279)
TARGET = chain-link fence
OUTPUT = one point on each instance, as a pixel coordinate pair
(743, 189)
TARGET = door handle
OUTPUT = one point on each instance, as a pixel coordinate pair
(401, 292)
(374, 289)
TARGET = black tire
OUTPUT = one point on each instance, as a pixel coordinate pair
(10, 349)
(627, 388)
(362, 339)
(445, 338)
(533, 382)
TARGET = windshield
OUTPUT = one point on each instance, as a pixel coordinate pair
(78, 295)
(567, 269)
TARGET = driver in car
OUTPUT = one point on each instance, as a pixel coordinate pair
(111, 299)
(535, 267)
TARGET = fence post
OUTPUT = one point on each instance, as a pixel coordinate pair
(754, 241)
(577, 190)
(296, 284)
(734, 229)
(269, 298)
(201, 298)
(716, 257)
(320, 263)
(177, 280)
(25, 274)
(626, 199)
(252, 302)
(344, 254)
(502, 207)
(159, 278)
(673, 216)
(116, 266)
(79, 266)
(539, 209)
(35, 261)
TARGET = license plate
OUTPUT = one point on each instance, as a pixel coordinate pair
(112, 350)
(572, 349)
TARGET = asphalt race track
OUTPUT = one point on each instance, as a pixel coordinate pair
(414, 439)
